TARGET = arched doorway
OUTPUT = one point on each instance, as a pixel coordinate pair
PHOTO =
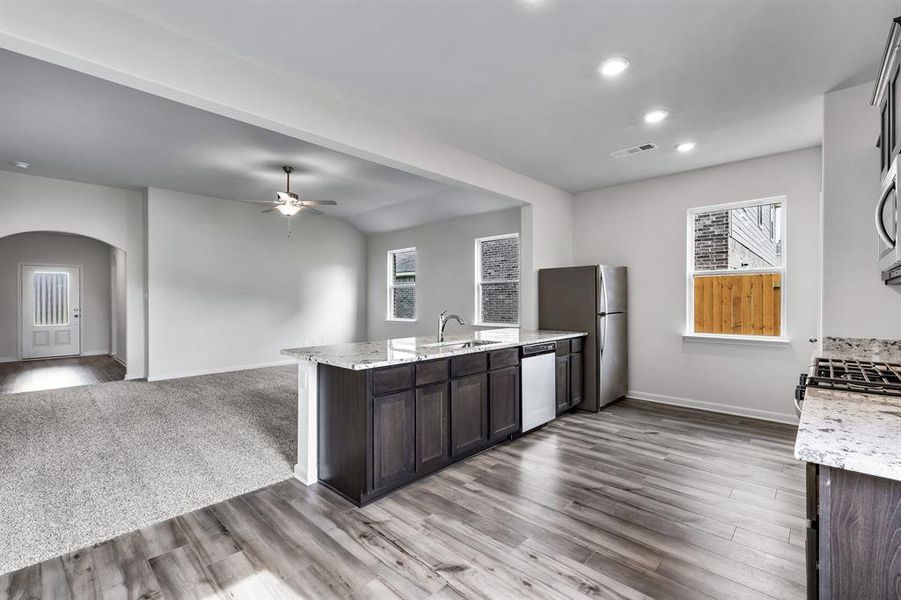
(63, 310)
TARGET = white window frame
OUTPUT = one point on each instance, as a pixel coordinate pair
(477, 320)
(391, 285)
(689, 333)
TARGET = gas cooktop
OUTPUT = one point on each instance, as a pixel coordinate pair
(868, 377)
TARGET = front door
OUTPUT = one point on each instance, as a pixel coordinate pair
(50, 311)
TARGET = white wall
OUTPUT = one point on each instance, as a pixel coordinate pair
(118, 304)
(445, 270)
(229, 290)
(111, 215)
(643, 226)
(855, 303)
(59, 249)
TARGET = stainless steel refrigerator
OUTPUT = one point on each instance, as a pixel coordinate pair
(592, 299)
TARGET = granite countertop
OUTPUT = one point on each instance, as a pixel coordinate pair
(860, 349)
(850, 430)
(382, 353)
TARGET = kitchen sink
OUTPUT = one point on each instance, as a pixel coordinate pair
(458, 344)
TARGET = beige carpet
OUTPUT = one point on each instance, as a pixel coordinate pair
(82, 465)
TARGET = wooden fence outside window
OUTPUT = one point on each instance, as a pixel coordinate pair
(738, 304)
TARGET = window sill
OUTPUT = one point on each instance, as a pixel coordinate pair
(392, 320)
(742, 340)
(497, 325)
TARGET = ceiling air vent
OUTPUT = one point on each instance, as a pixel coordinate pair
(633, 150)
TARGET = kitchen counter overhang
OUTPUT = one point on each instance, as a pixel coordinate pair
(358, 356)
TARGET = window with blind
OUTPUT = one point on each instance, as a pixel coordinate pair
(402, 284)
(497, 280)
(736, 270)
(51, 299)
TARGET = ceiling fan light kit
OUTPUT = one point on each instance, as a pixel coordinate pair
(289, 210)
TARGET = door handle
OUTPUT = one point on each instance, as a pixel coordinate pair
(880, 224)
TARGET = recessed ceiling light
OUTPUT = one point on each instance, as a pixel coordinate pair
(685, 146)
(22, 165)
(613, 66)
(655, 116)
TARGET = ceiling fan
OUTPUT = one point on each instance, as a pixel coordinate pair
(288, 203)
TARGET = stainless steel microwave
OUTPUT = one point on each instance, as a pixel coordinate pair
(888, 221)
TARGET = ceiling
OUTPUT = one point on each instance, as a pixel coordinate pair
(515, 81)
(69, 125)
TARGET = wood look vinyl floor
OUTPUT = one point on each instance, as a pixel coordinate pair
(638, 501)
(54, 373)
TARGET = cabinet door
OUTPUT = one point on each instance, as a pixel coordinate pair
(575, 379)
(393, 427)
(432, 427)
(469, 413)
(503, 402)
(562, 379)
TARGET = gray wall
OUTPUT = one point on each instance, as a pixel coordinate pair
(118, 305)
(445, 270)
(229, 290)
(112, 215)
(855, 303)
(612, 226)
(57, 248)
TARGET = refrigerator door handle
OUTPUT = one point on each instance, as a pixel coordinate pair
(602, 330)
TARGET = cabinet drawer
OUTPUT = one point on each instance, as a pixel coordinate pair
(503, 358)
(562, 347)
(469, 364)
(431, 372)
(392, 379)
(577, 344)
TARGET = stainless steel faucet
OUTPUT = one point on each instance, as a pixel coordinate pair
(443, 318)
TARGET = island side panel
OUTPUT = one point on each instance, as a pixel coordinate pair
(343, 430)
(307, 422)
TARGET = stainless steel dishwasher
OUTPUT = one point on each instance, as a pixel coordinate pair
(538, 386)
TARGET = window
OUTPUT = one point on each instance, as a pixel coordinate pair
(736, 270)
(497, 280)
(402, 284)
(51, 298)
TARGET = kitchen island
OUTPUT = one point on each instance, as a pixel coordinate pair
(375, 415)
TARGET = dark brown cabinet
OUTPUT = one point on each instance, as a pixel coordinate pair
(469, 413)
(885, 98)
(575, 379)
(382, 428)
(562, 378)
(432, 427)
(503, 403)
(393, 432)
(854, 527)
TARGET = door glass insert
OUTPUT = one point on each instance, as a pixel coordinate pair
(51, 298)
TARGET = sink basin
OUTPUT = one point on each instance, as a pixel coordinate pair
(459, 344)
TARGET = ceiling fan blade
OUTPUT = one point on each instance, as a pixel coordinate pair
(255, 201)
(318, 202)
(312, 211)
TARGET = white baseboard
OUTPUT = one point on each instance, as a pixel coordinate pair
(6, 359)
(96, 353)
(179, 375)
(119, 360)
(764, 415)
